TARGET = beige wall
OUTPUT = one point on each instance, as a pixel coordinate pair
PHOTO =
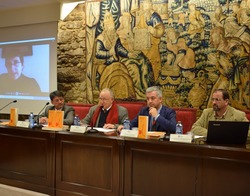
(30, 15)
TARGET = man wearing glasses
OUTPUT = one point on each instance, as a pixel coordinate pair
(106, 114)
(220, 111)
(15, 82)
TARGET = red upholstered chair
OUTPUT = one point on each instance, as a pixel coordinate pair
(132, 107)
(81, 109)
(187, 116)
(247, 114)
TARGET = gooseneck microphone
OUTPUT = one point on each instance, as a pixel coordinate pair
(38, 116)
(8, 104)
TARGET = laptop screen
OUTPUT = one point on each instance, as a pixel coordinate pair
(227, 132)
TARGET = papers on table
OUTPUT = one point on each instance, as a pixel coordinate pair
(198, 136)
(103, 129)
(4, 123)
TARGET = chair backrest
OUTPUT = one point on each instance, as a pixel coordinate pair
(187, 116)
(132, 107)
(80, 109)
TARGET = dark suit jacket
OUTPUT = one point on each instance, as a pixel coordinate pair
(165, 122)
(69, 114)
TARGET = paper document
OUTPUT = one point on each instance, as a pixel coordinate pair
(198, 136)
(103, 129)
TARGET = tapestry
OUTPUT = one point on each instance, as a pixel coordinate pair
(186, 47)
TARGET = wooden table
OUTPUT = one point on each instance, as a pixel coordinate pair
(72, 164)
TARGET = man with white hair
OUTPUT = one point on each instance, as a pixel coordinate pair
(106, 114)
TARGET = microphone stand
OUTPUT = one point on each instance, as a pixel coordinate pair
(7, 105)
(38, 125)
(92, 130)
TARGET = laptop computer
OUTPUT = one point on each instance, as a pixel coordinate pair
(227, 132)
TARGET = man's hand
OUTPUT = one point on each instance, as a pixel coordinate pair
(153, 112)
(109, 126)
(119, 128)
(43, 120)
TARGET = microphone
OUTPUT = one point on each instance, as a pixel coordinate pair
(37, 118)
(8, 104)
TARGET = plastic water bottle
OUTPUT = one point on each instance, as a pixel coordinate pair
(126, 124)
(31, 120)
(76, 120)
(179, 128)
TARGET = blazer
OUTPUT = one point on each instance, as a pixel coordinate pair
(122, 115)
(69, 114)
(165, 122)
(201, 125)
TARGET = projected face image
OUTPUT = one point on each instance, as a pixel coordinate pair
(14, 66)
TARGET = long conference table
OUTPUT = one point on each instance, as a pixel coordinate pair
(63, 163)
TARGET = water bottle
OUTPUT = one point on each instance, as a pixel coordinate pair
(76, 120)
(126, 124)
(31, 120)
(179, 128)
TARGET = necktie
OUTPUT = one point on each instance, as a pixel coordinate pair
(154, 125)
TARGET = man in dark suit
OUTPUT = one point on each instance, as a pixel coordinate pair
(57, 99)
(107, 113)
(161, 118)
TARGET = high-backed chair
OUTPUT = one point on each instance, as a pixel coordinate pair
(80, 109)
(132, 107)
(187, 116)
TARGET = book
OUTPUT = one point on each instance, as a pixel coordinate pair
(155, 134)
(143, 127)
(55, 119)
(13, 116)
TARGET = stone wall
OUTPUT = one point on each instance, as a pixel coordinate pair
(71, 56)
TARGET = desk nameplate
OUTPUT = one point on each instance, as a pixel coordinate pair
(24, 124)
(181, 138)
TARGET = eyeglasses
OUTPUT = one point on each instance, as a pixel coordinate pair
(15, 63)
(216, 99)
(103, 99)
